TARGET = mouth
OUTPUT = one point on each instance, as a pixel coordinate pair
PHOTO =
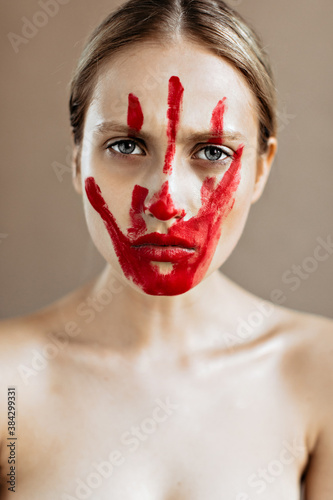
(163, 247)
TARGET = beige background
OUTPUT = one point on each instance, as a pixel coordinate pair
(45, 249)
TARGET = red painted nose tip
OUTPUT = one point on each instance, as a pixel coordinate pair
(161, 211)
(161, 205)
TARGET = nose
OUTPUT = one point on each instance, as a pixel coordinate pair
(162, 207)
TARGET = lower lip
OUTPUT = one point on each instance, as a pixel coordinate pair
(164, 253)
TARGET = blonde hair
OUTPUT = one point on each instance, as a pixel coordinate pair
(210, 23)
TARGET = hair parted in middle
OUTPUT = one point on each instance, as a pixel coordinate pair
(209, 23)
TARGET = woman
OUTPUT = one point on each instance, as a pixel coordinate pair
(147, 383)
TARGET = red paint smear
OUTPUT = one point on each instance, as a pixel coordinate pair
(134, 113)
(138, 224)
(201, 232)
(161, 205)
(217, 122)
(175, 97)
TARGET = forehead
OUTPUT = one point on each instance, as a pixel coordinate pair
(145, 70)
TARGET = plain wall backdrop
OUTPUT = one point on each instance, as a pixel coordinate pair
(45, 249)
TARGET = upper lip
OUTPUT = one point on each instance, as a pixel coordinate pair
(162, 240)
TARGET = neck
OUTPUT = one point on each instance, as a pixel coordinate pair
(139, 321)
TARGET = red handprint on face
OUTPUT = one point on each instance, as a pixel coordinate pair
(189, 245)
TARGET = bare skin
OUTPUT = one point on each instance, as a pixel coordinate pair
(230, 414)
(126, 395)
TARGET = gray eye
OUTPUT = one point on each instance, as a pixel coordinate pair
(213, 153)
(126, 147)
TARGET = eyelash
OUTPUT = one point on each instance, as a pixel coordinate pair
(224, 151)
(110, 146)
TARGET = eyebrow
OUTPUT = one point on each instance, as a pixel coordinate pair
(114, 126)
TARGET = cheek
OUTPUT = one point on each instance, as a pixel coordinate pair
(201, 232)
(233, 225)
(246, 187)
(117, 197)
(98, 219)
(98, 235)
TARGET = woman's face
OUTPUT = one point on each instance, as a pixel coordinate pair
(168, 164)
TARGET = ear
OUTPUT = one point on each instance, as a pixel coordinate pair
(76, 168)
(264, 164)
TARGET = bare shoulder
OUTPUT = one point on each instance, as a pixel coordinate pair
(310, 336)
(28, 342)
(18, 336)
(309, 365)
(316, 345)
(308, 343)
(25, 340)
(307, 362)
(26, 354)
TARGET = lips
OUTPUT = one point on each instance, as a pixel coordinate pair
(163, 247)
(163, 240)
